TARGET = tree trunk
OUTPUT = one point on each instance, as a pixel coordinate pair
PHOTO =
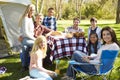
(79, 7)
(36, 5)
(41, 5)
(118, 13)
(60, 10)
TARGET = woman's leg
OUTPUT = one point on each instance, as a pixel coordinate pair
(39, 75)
(26, 44)
(77, 56)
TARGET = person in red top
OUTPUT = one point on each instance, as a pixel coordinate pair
(39, 29)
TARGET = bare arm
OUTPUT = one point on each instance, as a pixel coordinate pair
(38, 60)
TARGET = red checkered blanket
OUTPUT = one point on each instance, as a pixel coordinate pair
(63, 47)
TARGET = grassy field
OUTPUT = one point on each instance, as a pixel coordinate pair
(13, 63)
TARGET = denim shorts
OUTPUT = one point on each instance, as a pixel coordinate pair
(35, 73)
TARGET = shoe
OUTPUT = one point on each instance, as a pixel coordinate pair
(67, 78)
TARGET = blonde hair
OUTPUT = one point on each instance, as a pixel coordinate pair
(36, 45)
(38, 14)
(27, 10)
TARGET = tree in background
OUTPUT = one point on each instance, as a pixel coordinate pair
(68, 9)
(118, 13)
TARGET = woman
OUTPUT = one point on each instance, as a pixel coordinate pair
(27, 34)
(109, 43)
(38, 52)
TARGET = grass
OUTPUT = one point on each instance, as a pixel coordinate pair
(13, 63)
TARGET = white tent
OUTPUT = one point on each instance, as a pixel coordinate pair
(10, 13)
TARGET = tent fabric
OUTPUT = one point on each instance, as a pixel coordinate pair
(10, 13)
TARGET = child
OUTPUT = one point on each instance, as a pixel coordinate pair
(38, 52)
(39, 29)
(50, 21)
(94, 44)
(94, 28)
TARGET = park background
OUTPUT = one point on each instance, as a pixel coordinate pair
(106, 11)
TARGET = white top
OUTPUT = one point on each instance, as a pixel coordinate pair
(112, 46)
(98, 31)
(27, 29)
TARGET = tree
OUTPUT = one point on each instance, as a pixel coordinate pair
(41, 5)
(118, 13)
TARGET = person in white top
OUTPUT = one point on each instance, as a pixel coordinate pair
(75, 27)
(27, 34)
(94, 28)
(36, 69)
(109, 43)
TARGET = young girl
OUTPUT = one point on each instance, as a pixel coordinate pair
(38, 52)
(109, 43)
(94, 44)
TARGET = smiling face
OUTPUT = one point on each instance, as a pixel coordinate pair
(50, 12)
(76, 23)
(31, 10)
(93, 23)
(93, 38)
(107, 37)
(39, 18)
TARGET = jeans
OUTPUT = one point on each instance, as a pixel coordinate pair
(26, 47)
(77, 56)
(35, 73)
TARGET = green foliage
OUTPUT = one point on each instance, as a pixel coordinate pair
(91, 9)
(102, 9)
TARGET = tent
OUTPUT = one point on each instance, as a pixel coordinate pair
(10, 13)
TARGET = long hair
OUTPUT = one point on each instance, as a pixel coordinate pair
(94, 45)
(112, 33)
(27, 10)
(36, 45)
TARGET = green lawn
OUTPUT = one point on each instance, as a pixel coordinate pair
(13, 64)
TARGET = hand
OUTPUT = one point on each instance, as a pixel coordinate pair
(86, 59)
(53, 74)
(20, 38)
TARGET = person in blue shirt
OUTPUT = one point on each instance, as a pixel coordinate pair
(50, 21)
(94, 44)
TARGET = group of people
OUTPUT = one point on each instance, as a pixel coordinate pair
(98, 40)
(33, 36)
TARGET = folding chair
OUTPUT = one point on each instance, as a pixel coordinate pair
(103, 68)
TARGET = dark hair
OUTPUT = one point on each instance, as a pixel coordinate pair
(50, 9)
(93, 19)
(112, 32)
(94, 45)
(76, 18)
